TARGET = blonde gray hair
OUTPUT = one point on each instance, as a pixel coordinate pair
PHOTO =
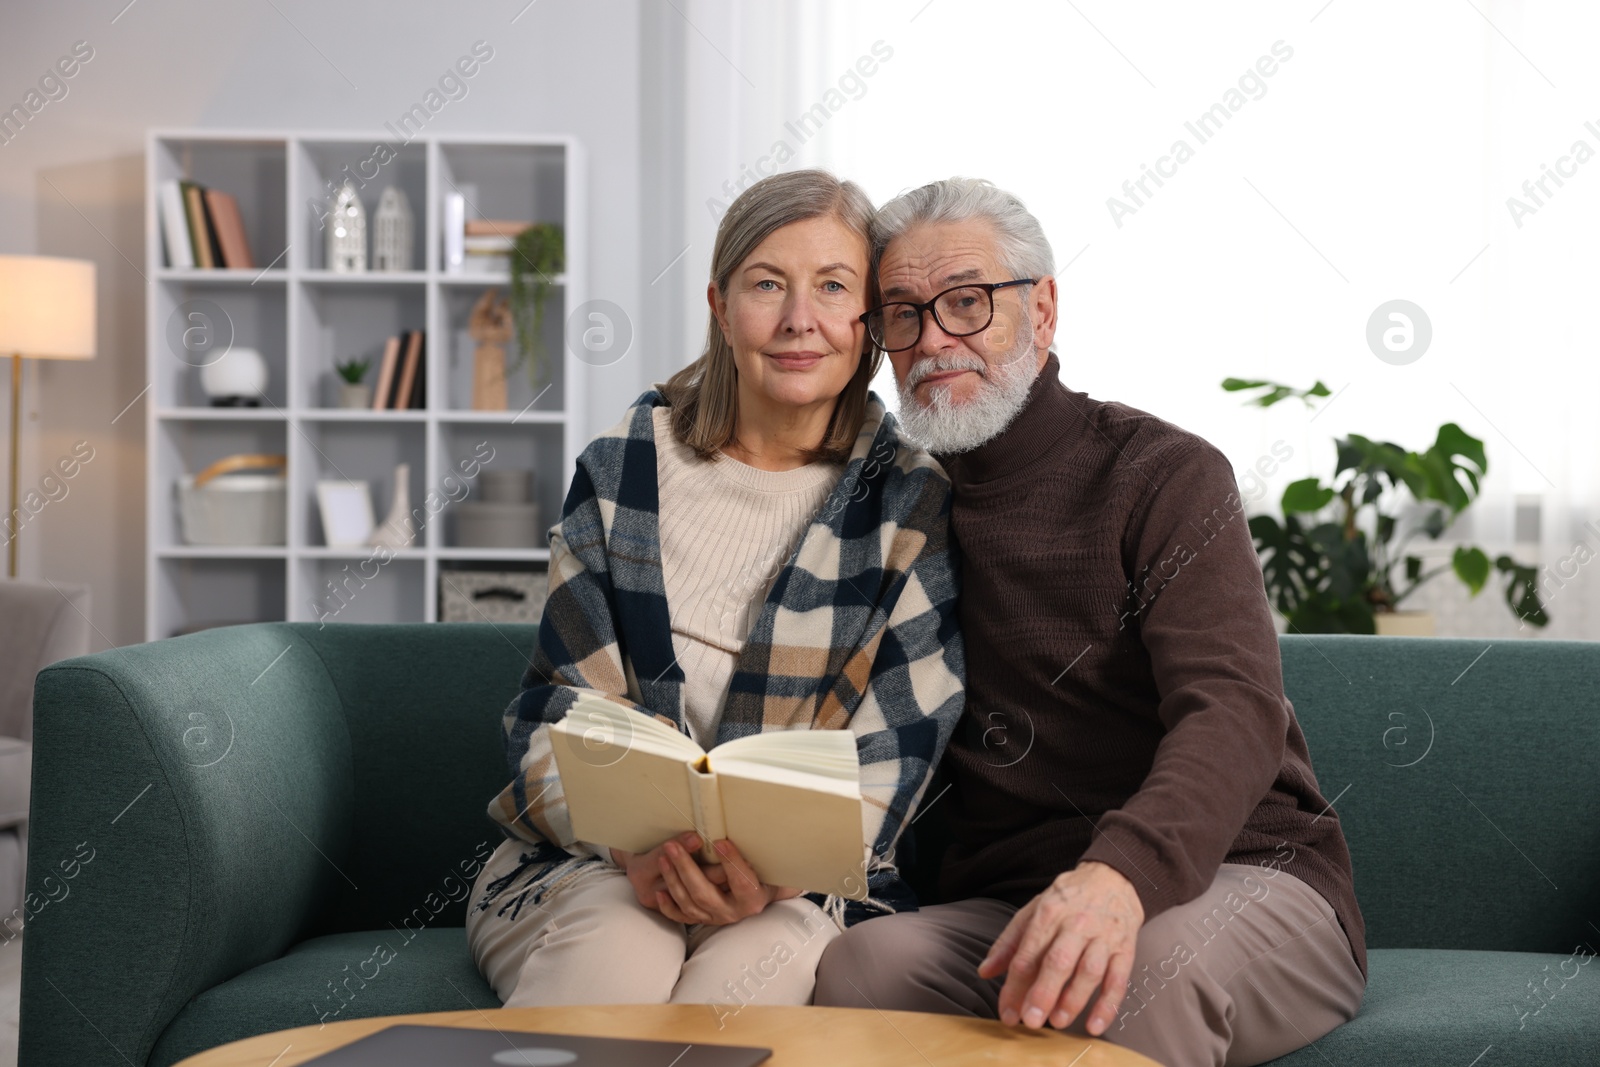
(705, 394)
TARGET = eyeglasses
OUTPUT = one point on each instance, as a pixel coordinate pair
(960, 312)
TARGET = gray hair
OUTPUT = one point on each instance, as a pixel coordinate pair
(1024, 249)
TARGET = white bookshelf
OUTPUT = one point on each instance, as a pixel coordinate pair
(304, 319)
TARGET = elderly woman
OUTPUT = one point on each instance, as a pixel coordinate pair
(752, 547)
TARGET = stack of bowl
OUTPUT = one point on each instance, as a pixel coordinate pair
(501, 514)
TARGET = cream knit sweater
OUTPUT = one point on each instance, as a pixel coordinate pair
(727, 529)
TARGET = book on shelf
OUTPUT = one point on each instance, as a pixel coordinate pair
(202, 227)
(228, 226)
(217, 259)
(402, 373)
(508, 228)
(790, 800)
(406, 380)
(386, 368)
(478, 246)
(418, 398)
(175, 226)
(195, 213)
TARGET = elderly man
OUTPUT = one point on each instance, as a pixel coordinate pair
(1141, 850)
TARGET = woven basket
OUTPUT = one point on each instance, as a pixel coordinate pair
(220, 506)
(492, 596)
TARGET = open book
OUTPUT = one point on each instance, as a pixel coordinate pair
(790, 800)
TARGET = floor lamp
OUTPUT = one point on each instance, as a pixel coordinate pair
(46, 312)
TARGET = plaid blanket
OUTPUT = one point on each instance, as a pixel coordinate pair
(859, 633)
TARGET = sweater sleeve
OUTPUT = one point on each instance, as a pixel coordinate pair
(1201, 612)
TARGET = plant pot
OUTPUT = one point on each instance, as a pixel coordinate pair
(1404, 623)
(355, 395)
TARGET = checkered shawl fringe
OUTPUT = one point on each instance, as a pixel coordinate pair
(859, 633)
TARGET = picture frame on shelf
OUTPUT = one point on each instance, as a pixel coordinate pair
(346, 510)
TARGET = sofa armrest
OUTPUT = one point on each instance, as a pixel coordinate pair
(191, 803)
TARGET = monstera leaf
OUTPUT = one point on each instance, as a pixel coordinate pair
(1289, 565)
(1471, 566)
(1308, 494)
(1327, 577)
(1449, 480)
(1522, 591)
(1274, 391)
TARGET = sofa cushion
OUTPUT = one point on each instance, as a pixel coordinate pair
(1451, 1005)
(1462, 775)
(341, 976)
(422, 706)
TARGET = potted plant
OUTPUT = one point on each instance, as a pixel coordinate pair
(1336, 561)
(537, 255)
(353, 393)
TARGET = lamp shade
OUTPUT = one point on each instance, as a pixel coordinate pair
(47, 307)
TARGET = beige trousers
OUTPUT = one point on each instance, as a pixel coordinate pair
(1253, 969)
(591, 942)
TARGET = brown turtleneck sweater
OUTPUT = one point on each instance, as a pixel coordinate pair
(1124, 690)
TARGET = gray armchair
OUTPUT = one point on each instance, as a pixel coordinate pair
(40, 623)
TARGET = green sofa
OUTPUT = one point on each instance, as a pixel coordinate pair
(227, 826)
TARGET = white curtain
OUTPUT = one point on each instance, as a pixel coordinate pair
(1372, 163)
(726, 83)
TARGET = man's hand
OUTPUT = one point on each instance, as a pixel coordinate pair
(1074, 938)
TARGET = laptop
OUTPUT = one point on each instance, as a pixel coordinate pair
(450, 1046)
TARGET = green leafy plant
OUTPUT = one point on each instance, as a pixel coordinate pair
(1337, 558)
(537, 255)
(352, 370)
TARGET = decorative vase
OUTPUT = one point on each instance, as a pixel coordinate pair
(355, 395)
(396, 531)
(238, 379)
(1404, 623)
(347, 232)
(391, 231)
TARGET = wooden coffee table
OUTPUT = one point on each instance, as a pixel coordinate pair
(798, 1037)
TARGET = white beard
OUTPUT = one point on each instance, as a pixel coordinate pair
(942, 426)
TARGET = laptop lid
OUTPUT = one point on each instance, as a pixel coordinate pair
(451, 1046)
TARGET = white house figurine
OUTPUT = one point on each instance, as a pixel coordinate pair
(391, 231)
(347, 234)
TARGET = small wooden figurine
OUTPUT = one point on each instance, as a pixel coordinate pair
(490, 326)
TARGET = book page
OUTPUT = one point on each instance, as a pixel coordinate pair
(603, 725)
(830, 753)
(626, 776)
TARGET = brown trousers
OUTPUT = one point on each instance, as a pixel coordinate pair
(1253, 969)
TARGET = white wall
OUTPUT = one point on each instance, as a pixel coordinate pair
(72, 184)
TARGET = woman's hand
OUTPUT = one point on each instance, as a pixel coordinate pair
(714, 895)
(644, 869)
